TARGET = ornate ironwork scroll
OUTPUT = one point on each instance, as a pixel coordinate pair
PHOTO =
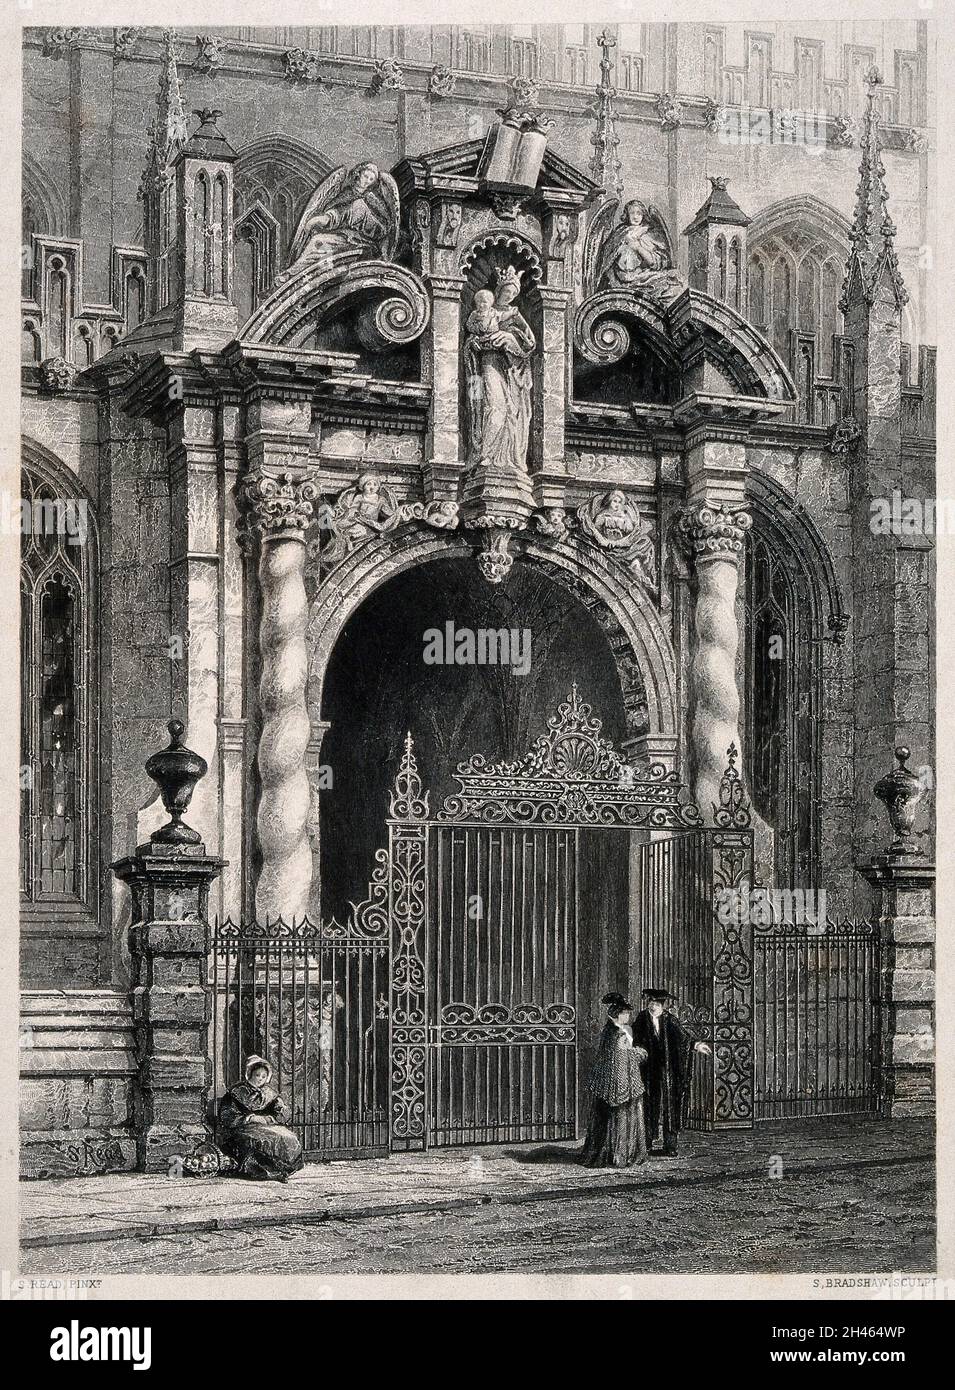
(570, 776)
(731, 860)
(408, 845)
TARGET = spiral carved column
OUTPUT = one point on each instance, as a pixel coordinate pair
(278, 511)
(713, 536)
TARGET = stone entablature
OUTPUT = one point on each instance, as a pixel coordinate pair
(722, 85)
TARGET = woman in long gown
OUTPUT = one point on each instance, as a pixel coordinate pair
(616, 1137)
(253, 1125)
(500, 379)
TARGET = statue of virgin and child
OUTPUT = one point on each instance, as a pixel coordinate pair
(499, 380)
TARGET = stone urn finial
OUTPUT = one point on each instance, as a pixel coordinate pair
(901, 791)
(176, 770)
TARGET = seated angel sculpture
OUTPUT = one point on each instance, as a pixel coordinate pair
(636, 256)
(353, 211)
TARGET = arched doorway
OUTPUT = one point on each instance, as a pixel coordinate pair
(405, 663)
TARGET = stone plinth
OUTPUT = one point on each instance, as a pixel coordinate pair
(905, 901)
(169, 944)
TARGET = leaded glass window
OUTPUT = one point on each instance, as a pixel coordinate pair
(55, 751)
(782, 702)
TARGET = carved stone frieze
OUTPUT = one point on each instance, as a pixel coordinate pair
(553, 522)
(209, 55)
(367, 509)
(670, 111)
(301, 66)
(125, 40)
(58, 42)
(441, 82)
(844, 132)
(713, 113)
(388, 76)
(57, 374)
(844, 436)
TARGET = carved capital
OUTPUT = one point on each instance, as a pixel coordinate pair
(713, 532)
(275, 506)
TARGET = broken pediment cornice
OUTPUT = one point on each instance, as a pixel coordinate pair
(684, 332)
(390, 304)
(456, 171)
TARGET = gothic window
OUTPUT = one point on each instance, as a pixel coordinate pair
(631, 72)
(57, 803)
(57, 306)
(758, 66)
(31, 225)
(631, 64)
(474, 50)
(782, 701)
(42, 215)
(908, 112)
(274, 178)
(523, 46)
(134, 297)
(808, 74)
(797, 258)
(713, 63)
(576, 53)
(30, 345)
(256, 245)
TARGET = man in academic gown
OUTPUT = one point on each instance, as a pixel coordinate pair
(667, 1070)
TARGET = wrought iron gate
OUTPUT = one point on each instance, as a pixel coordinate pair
(482, 896)
(445, 1011)
(312, 1000)
(502, 984)
(689, 940)
(816, 1019)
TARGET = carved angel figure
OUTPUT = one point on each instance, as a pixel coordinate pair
(636, 245)
(367, 509)
(614, 524)
(353, 210)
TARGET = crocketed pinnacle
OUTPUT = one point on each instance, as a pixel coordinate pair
(605, 166)
(170, 130)
(873, 232)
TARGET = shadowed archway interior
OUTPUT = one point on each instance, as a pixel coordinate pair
(379, 687)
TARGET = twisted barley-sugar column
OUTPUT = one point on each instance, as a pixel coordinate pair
(280, 510)
(714, 538)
